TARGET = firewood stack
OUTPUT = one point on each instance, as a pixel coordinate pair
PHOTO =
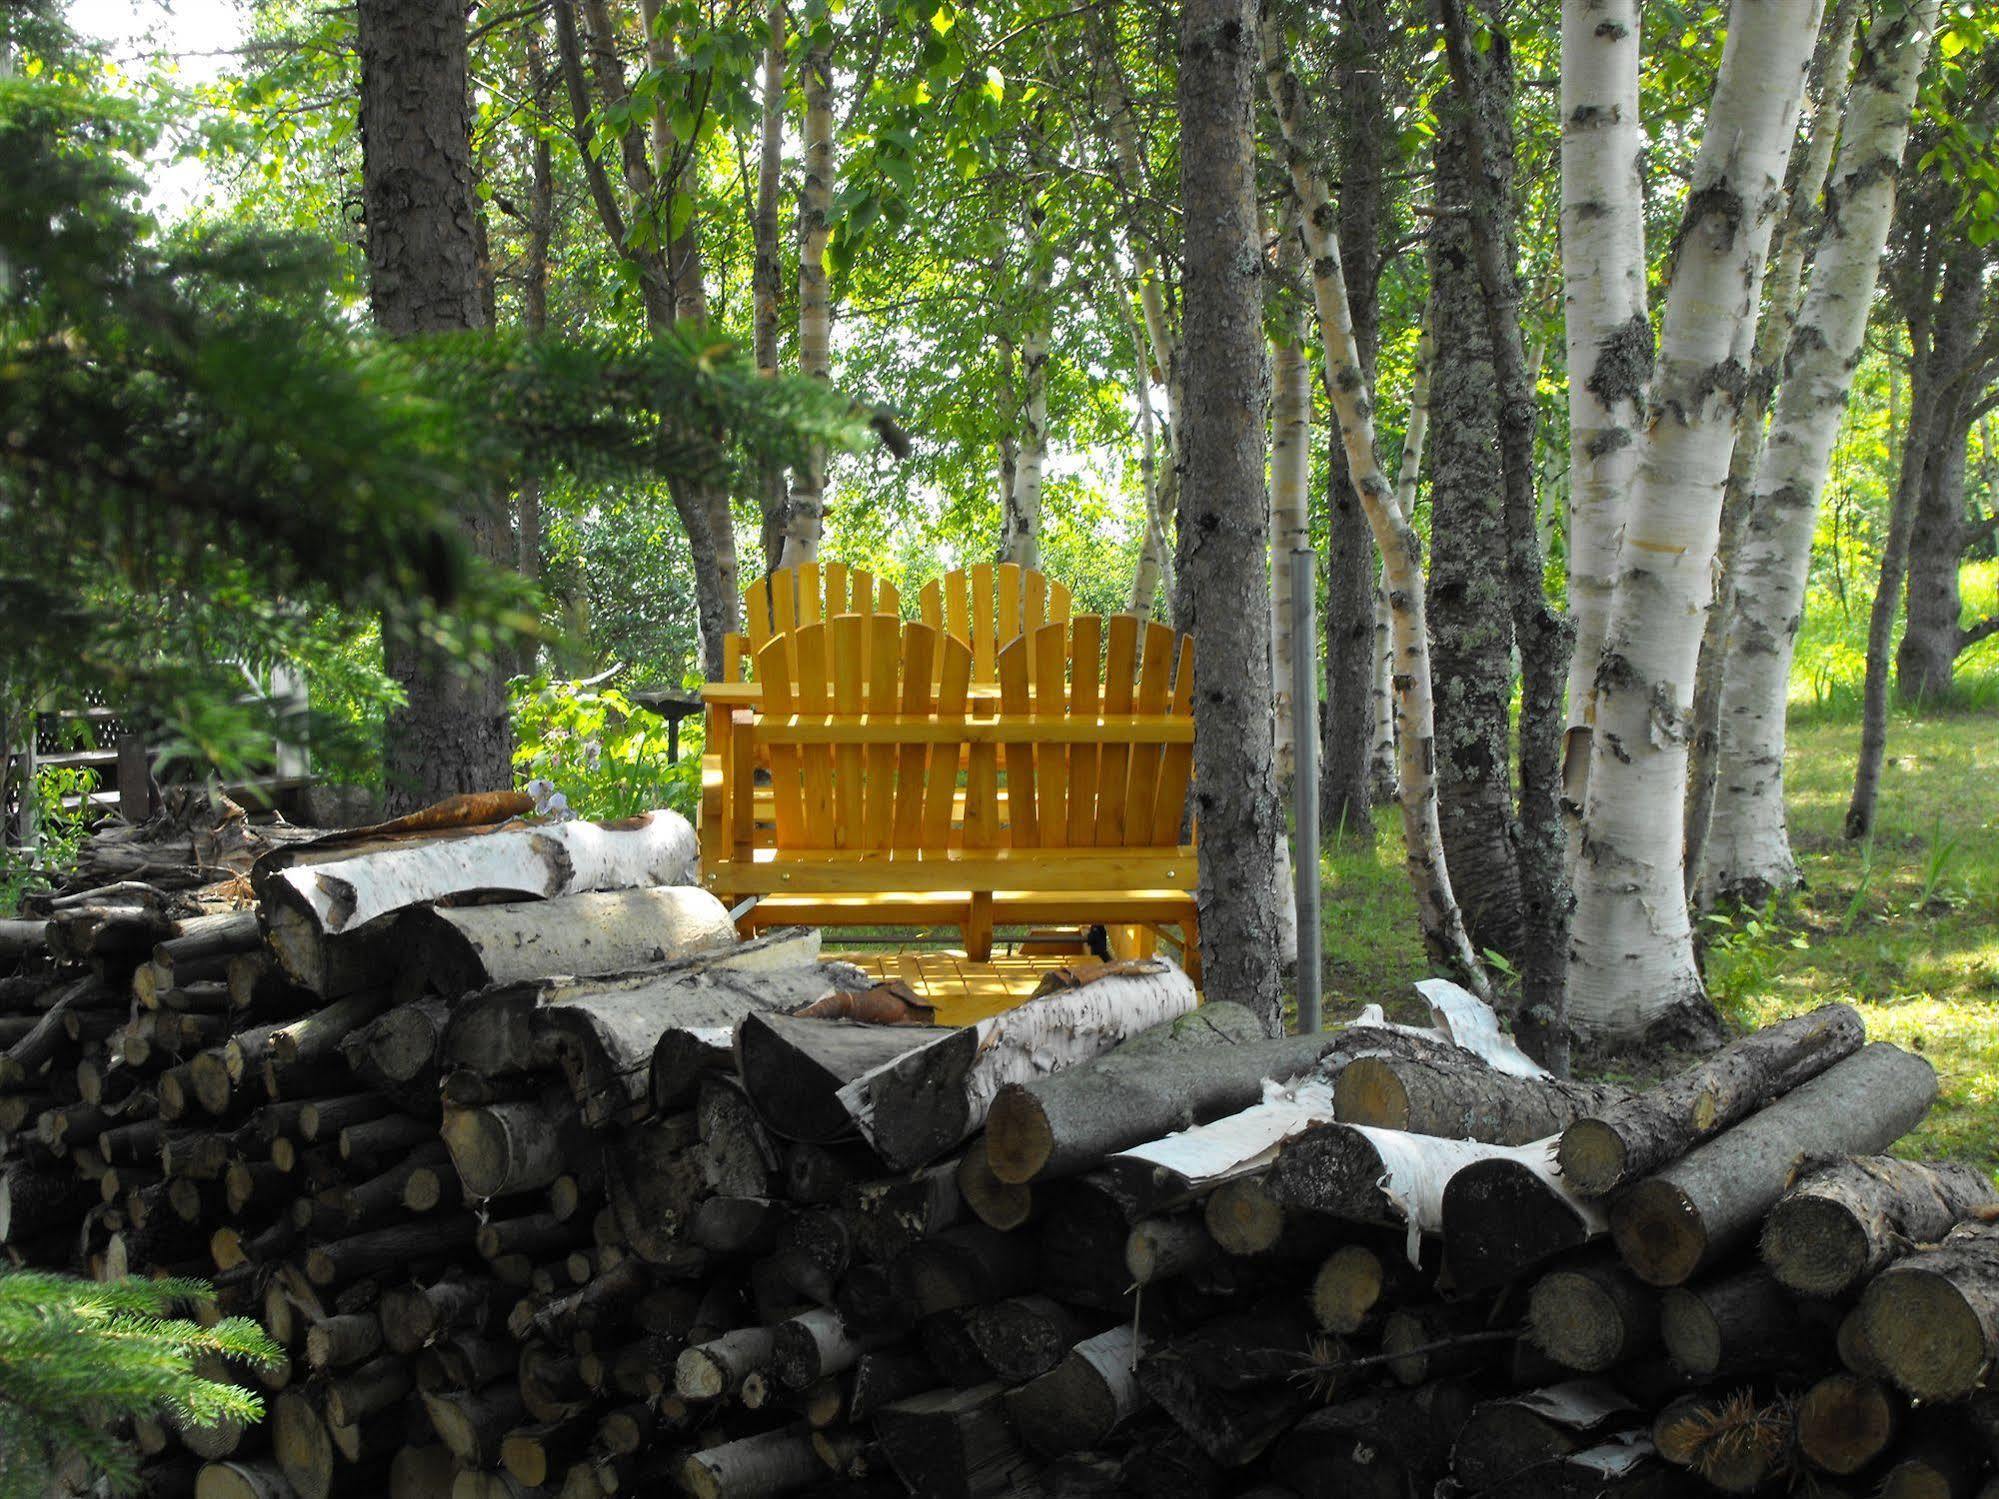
(580, 1195)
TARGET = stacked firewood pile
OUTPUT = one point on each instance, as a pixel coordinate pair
(577, 1194)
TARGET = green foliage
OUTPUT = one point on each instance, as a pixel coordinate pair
(604, 753)
(77, 1357)
(60, 830)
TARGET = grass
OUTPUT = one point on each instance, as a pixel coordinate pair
(1906, 930)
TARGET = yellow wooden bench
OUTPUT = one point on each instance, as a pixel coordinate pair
(895, 796)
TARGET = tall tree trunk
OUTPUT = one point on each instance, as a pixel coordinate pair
(1290, 495)
(1632, 976)
(1020, 529)
(767, 274)
(1609, 337)
(1932, 632)
(1225, 518)
(1831, 70)
(534, 307)
(1352, 715)
(1401, 554)
(1541, 636)
(1153, 548)
(805, 517)
(1408, 479)
(451, 735)
(1749, 849)
(1471, 627)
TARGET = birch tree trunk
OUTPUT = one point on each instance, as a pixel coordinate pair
(1225, 519)
(1020, 529)
(1603, 295)
(1443, 926)
(1290, 483)
(1408, 477)
(451, 735)
(534, 311)
(1801, 217)
(805, 516)
(1632, 977)
(1355, 625)
(1749, 849)
(1153, 549)
(767, 271)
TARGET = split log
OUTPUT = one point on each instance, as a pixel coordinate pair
(795, 1067)
(736, 1156)
(653, 1182)
(587, 935)
(953, 1444)
(1930, 1321)
(1846, 1221)
(1022, 1337)
(1502, 1439)
(1383, 1445)
(682, 1059)
(1736, 1325)
(1461, 1098)
(1593, 1317)
(770, 1463)
(1670, 1225)
(920, 1105)
(1077, 1404)
(1639, 1134)
(303, 900)
(1234, 1385)
(1845, 1422)
(1504, 1216)
(886, 1376)
(603, 1033)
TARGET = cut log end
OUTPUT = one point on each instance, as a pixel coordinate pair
(1019, 1138)
(1923, 1330)
(1348, 1289)
(1369, 1092)
(1592, 1157)
(1815, 1246)
(1844, 1423)
(1659, 1233)
(1579, 1321)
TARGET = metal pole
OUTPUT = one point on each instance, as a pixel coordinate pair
(1305, 779)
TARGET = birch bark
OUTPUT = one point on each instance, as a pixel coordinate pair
(806, 514)
(1443, 925)
(1290, 483)
(1749, 848)
(1609, 337)
(1632, 976)
(767, 272)
(1020, 533)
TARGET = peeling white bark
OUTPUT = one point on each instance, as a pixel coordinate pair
(1290, 487)
(1021, 527)
(1196, 1161)
(1603, 293)
(1394, 537)
(1632, 973)
(1749, 846)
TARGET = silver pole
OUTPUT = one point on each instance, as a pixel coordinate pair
(1305, 779)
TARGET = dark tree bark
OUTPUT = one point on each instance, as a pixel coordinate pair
(1225, 516)
(423, 262)
(1932, 635)
(1471, 625)
(1346, 781)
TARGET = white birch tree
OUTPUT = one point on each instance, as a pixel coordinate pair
(1749, 847)
(805, 516)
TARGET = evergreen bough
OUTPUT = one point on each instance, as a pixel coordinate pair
(78, 1358)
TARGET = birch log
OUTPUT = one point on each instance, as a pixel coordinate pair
(1394, 537)
(1163, 1173)
(916, 1107)
(1632, 976)
(306, 903)
(1674, 1223)
(1084, 1398)
(1748, 850)
(599, 932)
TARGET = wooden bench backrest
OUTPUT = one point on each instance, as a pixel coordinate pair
(866, 722)
(989, 605)
(805, 595)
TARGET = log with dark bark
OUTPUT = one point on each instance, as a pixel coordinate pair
(383, 1249)
(1376, 1446)
(1233, 1384)
(1504, 1438)
(1084, 1398)
(966, 1266)
(1638, 1134)
(473, 1424)
(1674, 1223)
(1737, 1325)
(1462, 1098)
(508, 1147)
(1930, 1321)
(1844, 1222)
(795, 1067)
(955, 1444)
(1593, 1316)
(1159, 1249)
(1504, 1216)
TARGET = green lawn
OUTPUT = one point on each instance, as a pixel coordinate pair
(1908, 932)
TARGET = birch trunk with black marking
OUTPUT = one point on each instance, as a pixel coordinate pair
(1639, 1133)
(1290, 485)
(1931, 1319)
(918, 1106)
(805, 515)
(1394, 537)
(1672, 1224)
(1748, 852)
(1605, 319)
(463, 948)
(1632, 974)
(1842, 1223)
(1020, 520)
(1802, 215)
(1463, 1099)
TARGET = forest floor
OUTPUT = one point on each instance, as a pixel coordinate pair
(1905, 930)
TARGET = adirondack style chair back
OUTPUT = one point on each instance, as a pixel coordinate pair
(868, 725)
(804, 595)
(988, 606)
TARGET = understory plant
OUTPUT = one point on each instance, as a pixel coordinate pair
(604, 753)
